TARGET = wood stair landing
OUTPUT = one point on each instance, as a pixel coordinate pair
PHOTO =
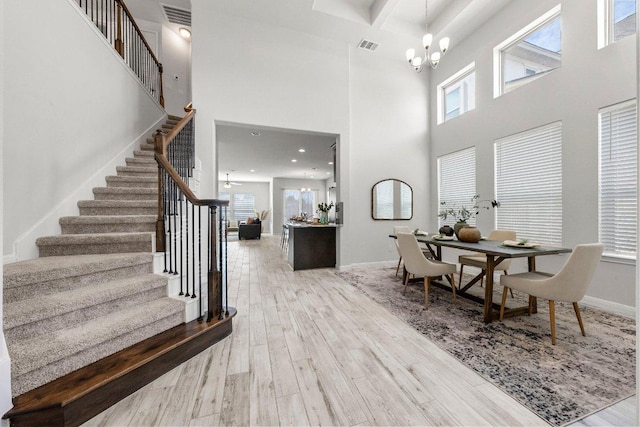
(80, 395)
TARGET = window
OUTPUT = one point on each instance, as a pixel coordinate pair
(225, 196)
(243, 206)
(529, 54)
(618, 174)
(529, 183)
(616, 20)
(457, 94)
(299, 201)
(457, 181)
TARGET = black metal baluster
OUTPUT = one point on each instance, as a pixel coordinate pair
(165, 213)
(186, 246)
(175, 227)
(200, 260)
(181, 252)
(193, 249)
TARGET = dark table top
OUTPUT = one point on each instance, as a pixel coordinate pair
(494, 248)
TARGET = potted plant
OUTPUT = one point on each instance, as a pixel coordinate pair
(463, 213)
(323, 212)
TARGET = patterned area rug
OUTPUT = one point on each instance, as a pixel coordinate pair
(561, 383)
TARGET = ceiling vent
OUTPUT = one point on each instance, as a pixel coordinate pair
(368, 45)
(177, 16)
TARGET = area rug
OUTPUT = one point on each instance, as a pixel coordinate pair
(561, 383)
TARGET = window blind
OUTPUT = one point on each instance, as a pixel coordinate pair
(529, 183)
(618, 174)
(384, 200)
(243, 206)
(457, 181)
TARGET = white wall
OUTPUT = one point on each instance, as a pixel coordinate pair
(262, 193)
(176, 62)
(5, 361)
(60, 130)
(588, 79)
(251, 72)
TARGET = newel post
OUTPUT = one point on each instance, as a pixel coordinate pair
(159, 140)
(119, 41)
(160, 71)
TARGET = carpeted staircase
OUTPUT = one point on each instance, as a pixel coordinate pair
(93, 291)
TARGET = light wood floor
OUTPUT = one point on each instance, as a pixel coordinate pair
(309, 349)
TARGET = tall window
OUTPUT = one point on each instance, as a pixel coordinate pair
(529, 54)
(457, 181)
(618, 175)
(529, 183)
(243, 206)
(297, 202)
(457, 94)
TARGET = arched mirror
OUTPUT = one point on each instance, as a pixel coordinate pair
(391, 199)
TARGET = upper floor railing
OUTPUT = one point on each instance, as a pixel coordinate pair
(190, 231)
(114, 20)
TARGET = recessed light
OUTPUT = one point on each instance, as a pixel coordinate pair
(255, 133)
(185, 33)
(330, 163)
(302, 150)
(252, 170)
(328, 173)
(293, 160)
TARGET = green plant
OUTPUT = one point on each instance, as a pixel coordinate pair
(464, 213)
(323, 207)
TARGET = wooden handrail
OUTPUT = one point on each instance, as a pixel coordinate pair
(162, 140)
(162, 160)
(135, 25)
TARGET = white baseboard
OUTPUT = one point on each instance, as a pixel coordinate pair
(610, 307)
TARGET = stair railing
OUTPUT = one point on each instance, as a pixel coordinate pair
(187, 243)
(116, 23)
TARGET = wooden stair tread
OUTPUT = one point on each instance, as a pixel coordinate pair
(154, 354)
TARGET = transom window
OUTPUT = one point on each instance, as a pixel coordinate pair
(457, 94)
(529, 184)
(616, 20)
(618, 179)
(531, 53)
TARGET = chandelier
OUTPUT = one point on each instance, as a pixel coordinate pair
(433, 59)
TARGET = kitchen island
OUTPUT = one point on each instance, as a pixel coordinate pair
(311, 246)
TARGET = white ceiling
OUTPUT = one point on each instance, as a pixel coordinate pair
(395, 24)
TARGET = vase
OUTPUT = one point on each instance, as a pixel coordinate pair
(445, 230)
(469, 234)
(457, 226)
(324, 217)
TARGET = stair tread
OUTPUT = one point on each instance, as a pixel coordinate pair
(136, 190)
(108, 219)
(91, 238)
(47, 306)
(131, 178)
(146, 169)
(59, 267)
(45, 350)
(117, 203)
(159, 349)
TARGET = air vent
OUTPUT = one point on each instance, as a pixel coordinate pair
(368, 45)
(177, 16)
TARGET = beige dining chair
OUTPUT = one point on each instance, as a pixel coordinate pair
(568, 285)
(480, 260)
(417, 264)
(405, 229)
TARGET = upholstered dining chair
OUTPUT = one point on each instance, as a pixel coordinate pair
(480, 260)
(417, 264)
(405, 229)
(568, 285)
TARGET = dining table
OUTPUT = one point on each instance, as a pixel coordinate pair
(496, 252)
